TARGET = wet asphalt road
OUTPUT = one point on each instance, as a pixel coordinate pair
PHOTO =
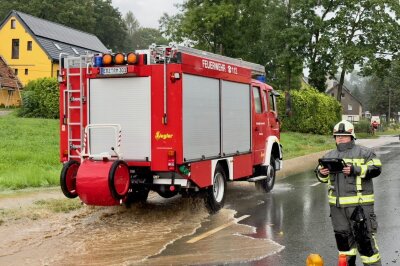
(295, 215)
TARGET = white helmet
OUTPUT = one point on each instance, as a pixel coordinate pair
(344, 128)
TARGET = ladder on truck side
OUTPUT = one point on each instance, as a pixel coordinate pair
(75, 93)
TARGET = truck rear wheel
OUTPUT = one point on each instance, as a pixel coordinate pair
(68, 179)
(215, 195)
(267, 184)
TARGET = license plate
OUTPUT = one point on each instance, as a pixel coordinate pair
(113, 70)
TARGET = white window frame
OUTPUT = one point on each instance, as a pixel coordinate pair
(349, 107)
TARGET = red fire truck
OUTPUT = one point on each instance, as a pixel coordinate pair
(170, 119)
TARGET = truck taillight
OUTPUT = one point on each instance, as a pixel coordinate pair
(107, 59)
(132, 58)
(171, 160)
(119, 59)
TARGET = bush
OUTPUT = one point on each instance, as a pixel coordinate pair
(312, 112)
(363, 126)
(40, 98)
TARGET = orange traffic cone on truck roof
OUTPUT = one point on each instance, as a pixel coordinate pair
(342, 260)
(314, 260)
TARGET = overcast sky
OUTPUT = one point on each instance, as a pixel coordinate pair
(147, 12)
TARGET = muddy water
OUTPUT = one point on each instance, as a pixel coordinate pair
(119, 236)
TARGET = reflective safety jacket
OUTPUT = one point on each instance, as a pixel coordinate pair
(356, 188)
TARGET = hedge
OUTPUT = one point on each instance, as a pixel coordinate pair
(312, 112)
(40, 98)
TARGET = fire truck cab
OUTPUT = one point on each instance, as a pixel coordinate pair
(170, 119)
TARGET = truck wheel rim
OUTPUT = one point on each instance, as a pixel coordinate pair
(121, 180)
(70, 179)
(218, 187)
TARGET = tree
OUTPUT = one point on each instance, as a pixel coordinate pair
(383, 93)
(318, 58)
(361, 31)
(138, 37)
(131, 23)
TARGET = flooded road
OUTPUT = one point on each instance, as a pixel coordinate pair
(120, 236)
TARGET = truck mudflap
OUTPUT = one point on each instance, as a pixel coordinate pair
(103, 183)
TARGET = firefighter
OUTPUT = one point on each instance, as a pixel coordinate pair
(374, 127)
(351, 196)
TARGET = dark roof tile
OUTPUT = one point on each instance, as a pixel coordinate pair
(57, 32)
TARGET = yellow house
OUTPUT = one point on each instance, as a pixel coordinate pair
(31, 46)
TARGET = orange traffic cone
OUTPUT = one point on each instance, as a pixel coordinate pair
(342, 260)
(314, 260)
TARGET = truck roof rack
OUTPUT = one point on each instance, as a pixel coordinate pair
(159, 53)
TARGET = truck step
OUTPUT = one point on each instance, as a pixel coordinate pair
(257, 178)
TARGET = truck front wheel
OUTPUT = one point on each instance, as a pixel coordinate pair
(267, 184)
(215, 194)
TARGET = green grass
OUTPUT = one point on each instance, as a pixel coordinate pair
(28, 152)
(298, 144)
(389, 132)
(59, 205)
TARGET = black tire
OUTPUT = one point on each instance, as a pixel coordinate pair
(215, 194)
(68, 179)
(111, 178)
(138, 195)
(139, 191)
(267, 184)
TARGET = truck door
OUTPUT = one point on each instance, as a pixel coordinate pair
(259, 125)
(272, 114)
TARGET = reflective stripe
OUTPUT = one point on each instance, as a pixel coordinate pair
(352, 200)
(376, 245)
(351, 252)
(372, 259)
(375, 162)
(354, 161)
(364, 169)
(358, 186)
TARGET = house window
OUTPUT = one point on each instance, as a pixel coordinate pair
(332, 94)
(16, 71)
(75, 51)
(349, 107)
(15, 49)
(57, 46)
(13, 24)
(29, 45)
(26, 71)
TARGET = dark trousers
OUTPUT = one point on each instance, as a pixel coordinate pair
(349, 241)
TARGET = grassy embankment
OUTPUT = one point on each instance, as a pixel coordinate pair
(29, 151)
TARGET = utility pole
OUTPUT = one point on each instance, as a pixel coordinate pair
(389, 108)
